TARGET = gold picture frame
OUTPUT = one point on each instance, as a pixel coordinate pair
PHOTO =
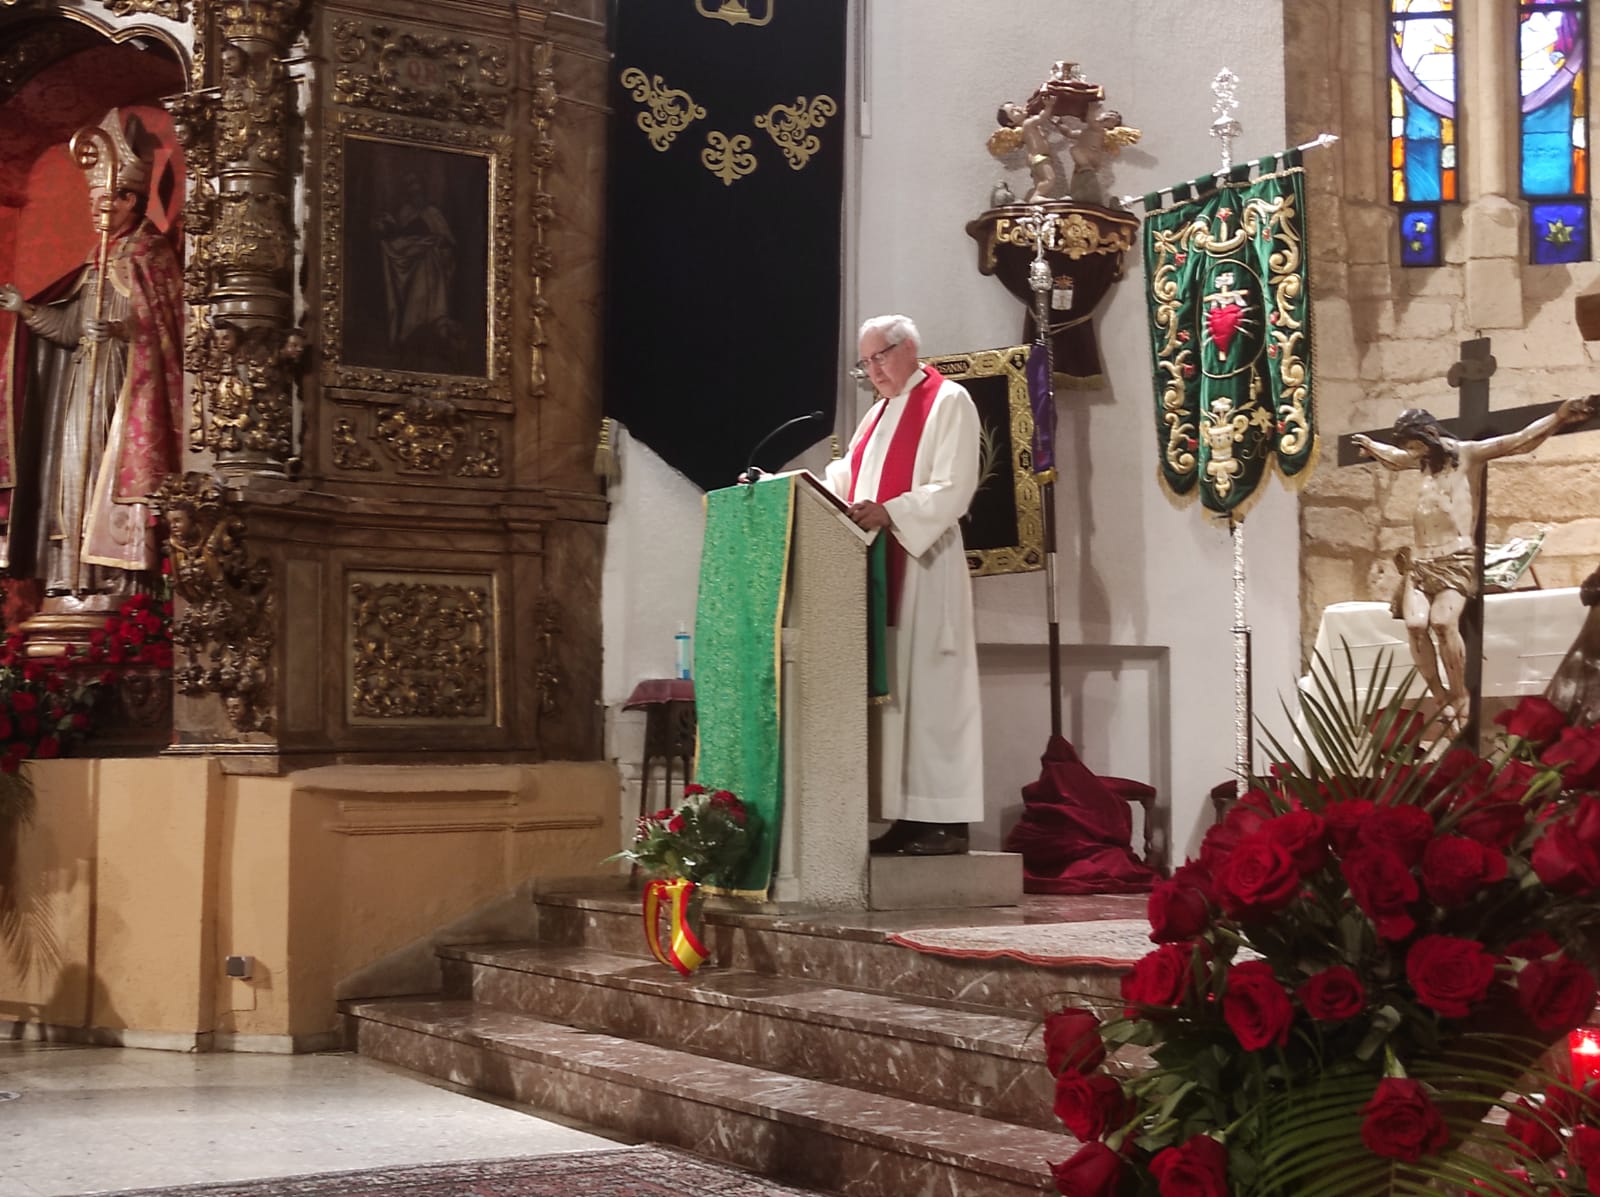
(1004, 528)
(416, 252)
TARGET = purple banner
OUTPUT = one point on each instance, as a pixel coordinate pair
(1042, 400)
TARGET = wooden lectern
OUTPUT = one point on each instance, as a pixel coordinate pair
(822, 849)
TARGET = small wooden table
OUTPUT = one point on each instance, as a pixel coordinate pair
(669, 732)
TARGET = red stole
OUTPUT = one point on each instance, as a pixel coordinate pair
(894, 479)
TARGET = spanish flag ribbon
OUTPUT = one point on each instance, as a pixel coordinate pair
(684, 951)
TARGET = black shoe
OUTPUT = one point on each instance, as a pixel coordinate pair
(910, 838)
(900, 833)
(937, 839)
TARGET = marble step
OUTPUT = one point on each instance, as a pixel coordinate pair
(838, 950)
(982, 1061)
(841, 1140)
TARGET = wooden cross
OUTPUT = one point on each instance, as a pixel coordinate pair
(1474, 421)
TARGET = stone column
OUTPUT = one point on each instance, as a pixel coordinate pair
(1493, 217)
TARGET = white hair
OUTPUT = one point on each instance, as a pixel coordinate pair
(895, 329)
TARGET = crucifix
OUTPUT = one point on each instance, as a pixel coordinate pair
(1442, 573)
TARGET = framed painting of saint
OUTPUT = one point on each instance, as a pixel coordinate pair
(416, 259)
(1004, 528)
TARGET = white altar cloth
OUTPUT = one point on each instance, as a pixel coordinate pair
(1525, 635)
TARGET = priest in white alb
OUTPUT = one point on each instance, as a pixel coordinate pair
(912, 469)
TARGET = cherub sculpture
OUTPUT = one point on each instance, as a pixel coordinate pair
(1063, 113)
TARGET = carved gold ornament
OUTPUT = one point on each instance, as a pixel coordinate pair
(223, 634)
(422, 435)
(420, 650)
(668, 110)
(726, 158)
(1070, 234)
(171, 9)
(418, 73)
(735, 12)
(790, 126)
(541, 155)
(347, 451)
(484, 461)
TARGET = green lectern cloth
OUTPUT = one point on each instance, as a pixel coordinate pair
(744, 569)
(744, 574)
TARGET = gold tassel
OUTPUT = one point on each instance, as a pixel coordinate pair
(835, 452)
(606, 464)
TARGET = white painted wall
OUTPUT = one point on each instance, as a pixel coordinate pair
(1146, 589)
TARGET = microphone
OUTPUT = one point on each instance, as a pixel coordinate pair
(753, 471)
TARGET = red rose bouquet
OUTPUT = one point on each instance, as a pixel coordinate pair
(704, 840)
(1371, 954)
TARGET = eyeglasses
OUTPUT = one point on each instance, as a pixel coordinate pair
(877, 359)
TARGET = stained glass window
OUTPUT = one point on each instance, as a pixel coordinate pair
(1552, 38)
(1423, 169)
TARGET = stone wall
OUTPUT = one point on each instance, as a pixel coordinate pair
(1385, 335)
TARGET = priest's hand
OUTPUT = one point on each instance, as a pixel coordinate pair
(870, 515)
(10, 299)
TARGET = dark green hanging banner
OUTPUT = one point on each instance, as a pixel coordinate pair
(1230, 328)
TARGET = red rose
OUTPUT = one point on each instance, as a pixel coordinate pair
(1303, 836)
(1343, 820)
(1584, 1149)
(1198, 1167)
(1256, 1008)
(1333, 994)
(1577, 754)
(1222, 838)
(1092, 1172)
(675, 824)
(1404, 830)
(5, 727)
(1400, 1122)
(662, 815)
(1532, 1131)
(23, 701)
(48, 749)
(1177, 911)
(1494, 819)
(1564, 862)
(1072, 1041)
(1454, 869)
(1091, 1106)
(1259, 877)
(1534, 947)
(1556, 994)
(1448, 973)
(1160, 978)
(1383, 887)
(1535, 718)
(1459, 766)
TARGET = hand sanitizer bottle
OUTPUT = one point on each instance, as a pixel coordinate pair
(681, 641)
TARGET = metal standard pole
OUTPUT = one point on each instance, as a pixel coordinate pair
(1225, 128)
(1042, 281)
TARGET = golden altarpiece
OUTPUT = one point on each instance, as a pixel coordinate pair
(391, 537)
(386, 543)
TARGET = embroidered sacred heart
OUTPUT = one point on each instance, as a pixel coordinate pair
(1222, 322)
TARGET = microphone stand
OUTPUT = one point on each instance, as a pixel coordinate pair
(752, 471)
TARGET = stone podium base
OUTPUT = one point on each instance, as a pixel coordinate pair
(925, 882)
